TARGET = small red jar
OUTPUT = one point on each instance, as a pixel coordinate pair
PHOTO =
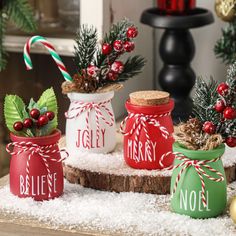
(148, 136)
(38, 173)
(176, 6)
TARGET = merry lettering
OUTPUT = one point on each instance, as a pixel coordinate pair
(140, 153)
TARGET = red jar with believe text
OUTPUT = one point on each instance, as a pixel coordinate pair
(148, 135)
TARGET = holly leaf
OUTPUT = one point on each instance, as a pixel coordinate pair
(14, 110)
(48, 100)
(32, 105)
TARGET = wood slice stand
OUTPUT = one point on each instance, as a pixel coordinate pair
(98, 171)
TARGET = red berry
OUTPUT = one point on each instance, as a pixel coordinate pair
(209, 127)
(132, 32)
(112, 76)
(118, 46)
(117, 67)
(50, 115)
(223, 89)
(18, 126)
(129, 46)
(106, 48)
(231, 141)
(35, 113)
(229, 113)
(92, 70)
(219, 106)
(43, 120)
(28, 123)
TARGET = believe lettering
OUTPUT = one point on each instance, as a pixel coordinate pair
(38, 185)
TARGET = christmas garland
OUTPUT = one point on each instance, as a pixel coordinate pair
(99, 65)
(215, 115)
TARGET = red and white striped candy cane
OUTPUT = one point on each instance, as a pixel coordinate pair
(52, 51)
(44, 152)
(197, 165)
(99, 108)
(140, 122)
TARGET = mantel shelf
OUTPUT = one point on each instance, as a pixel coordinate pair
(64, 47)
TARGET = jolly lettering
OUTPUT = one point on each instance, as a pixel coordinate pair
(93, 141)
(38, 185)
(192, 200)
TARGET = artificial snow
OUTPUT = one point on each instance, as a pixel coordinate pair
(123, 213)
(113, 163)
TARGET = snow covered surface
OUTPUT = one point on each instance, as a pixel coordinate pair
(123, 213)
(114, 163)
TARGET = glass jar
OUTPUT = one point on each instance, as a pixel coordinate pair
(148, 136)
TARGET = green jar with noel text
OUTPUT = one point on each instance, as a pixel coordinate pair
(187, 188)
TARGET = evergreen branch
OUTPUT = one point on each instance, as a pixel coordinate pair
(225, 47)
(204, 99)
(132, 67)
(3, 26)
(86, 40)
(118, 32)
(21, 14)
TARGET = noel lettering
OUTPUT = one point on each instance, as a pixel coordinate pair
(192, 201)
(139, 151)
(93, 141)
(38, 185)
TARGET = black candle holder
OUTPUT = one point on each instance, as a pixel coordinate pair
(177, 50)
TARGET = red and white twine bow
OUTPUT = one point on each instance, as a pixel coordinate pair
(99, 108)
(44, 152)
(198, 166)
(140, 122)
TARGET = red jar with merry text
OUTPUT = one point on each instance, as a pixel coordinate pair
(44, 174)
(148, 136)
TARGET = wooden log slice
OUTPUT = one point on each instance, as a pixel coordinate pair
(110, 173)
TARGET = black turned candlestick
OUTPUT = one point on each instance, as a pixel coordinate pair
(177, 50)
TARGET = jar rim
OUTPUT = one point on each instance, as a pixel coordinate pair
(90, 97)
(41, 140)
(153, 109)
(200, 154)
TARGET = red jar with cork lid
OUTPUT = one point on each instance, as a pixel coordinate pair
(148, 130)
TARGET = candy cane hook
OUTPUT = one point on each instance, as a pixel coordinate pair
(52, 51)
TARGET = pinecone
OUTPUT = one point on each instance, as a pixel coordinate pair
(78, 80)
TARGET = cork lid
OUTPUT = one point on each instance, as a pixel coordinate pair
(149, 98)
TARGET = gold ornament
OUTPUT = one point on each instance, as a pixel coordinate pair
(225, 9)
(232, 209)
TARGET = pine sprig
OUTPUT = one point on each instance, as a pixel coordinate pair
(20, 13)
(3, 26)
(225, 47)
(132, 67)
(86, 45)
(204, 99)
(117, 32)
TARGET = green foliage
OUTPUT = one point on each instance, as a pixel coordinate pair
(132, 67)
(48, 100)
(16, 110)
(20, 13)
(86, 41)
(204, 99)
(117, 32)
(225, 47)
